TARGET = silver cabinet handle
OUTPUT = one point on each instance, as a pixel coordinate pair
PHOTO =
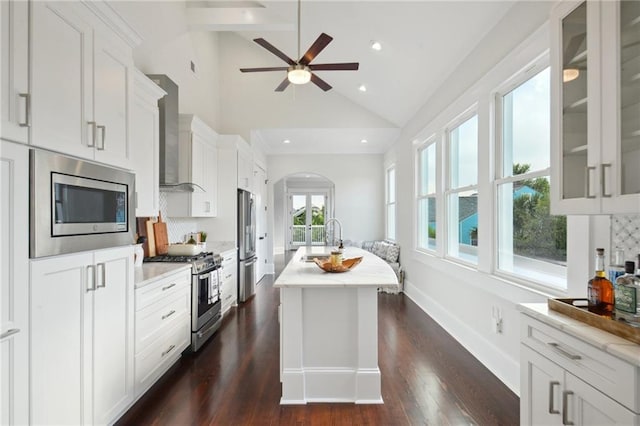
(91, 277)
(565, 411)
(559, 349)
(168, 315)
(172, 347)
(104, 135)
(551, 386)
(603, 168)
(9, 333)
(27, 110)
(92, 139)
(103, 275)
(587, 185)
(169, 286)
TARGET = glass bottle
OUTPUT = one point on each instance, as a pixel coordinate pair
(600, 289)
(616, 267)
(627, 295)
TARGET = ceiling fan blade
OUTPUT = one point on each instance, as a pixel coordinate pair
(572, 48)
(321, 42)
(263, 69)
(283, 85)
(320, 82)
(271, 48)
(347, 66)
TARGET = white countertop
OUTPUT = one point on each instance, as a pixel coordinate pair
(371, 272)
(607, 342)
(149, 272)
(219, 247)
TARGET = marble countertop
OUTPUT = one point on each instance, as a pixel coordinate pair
(219, 247)
(149, 272)
(607, 342)
(371, 272)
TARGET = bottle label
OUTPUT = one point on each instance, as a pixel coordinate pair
(593, 295)
(626, 299)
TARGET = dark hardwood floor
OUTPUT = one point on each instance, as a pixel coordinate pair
(427, 377)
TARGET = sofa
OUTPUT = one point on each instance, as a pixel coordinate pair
(390, 252)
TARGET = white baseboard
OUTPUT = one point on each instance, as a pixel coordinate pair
(502, 366)
(278, 250)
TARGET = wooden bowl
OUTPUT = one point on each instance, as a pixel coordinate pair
(347, 264)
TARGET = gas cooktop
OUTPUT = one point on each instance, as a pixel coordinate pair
(199, 262)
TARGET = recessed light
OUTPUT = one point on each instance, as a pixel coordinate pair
(375, 45)
(286, 141)
(364, 141)
(362, 88)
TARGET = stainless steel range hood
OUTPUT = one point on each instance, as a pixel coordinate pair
(169, 149)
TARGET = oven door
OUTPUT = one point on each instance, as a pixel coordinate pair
(206, 298)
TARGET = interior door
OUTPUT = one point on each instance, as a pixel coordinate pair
(306, 219)
(260, 189)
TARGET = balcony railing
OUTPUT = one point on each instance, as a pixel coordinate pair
(299, 237)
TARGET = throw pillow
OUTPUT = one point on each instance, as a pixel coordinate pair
(393, 252)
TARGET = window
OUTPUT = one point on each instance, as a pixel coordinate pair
(462, 191)
(427, 197)
(391, 203)
(530, 242)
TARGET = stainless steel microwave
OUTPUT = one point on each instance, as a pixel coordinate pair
(76, 205)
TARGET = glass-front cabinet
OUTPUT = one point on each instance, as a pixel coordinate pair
(595, 62)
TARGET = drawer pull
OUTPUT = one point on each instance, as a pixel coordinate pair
(565, 411)
(551, 398)
(559, 349)
(9, 332)
(172, 347)
(168, 315)
(169, 286)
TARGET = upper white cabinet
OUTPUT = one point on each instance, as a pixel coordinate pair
(242, 161)
(145, 128)
(198, 165)
(82, 337)
(595, 61)
(14, 284)
(69, 80)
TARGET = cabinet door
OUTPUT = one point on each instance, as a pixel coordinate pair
(14, 284)
(61, 79)
(541, 389)
(111, 87)
(210, 166)
(14, 36)
(112, 331)
(198, 146)
(585, 405)
(61, 310)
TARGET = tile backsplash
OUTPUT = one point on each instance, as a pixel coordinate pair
(625, 234)
(177, 228)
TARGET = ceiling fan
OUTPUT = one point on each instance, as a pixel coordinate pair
(300, 72)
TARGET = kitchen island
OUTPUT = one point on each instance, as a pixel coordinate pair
(329, 329)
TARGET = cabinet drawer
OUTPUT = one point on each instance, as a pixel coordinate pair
(155, 360)
(607, 373)
(229, 259)
(154, 320)
(164, 287)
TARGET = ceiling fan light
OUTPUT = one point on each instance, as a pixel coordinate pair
(570, 74)
(299, 74)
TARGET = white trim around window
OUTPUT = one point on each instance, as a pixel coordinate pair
(391, 197)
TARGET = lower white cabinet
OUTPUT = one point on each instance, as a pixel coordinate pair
(82, 337)
(229, 279)
(14, 284)
(565, 381)
(163, 327)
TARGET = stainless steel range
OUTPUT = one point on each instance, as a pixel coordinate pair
(205, 294)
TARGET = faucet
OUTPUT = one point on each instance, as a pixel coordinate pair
(333, 219)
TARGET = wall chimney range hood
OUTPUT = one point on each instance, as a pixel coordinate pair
(169, 149)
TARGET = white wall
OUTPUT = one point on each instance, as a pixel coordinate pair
(358, 200)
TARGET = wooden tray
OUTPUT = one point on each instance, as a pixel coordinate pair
(347, 264)
(606, 323)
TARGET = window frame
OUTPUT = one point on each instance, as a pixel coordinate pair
(388, 203)
(432, 140)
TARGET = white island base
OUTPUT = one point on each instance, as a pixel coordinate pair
(329, 330)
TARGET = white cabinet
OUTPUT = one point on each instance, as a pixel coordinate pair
(145, 128)
(198, 165)
(595, 113)
(229, 279)
(566, 381)
(14, 284)
(245, 166)
(82, 337)
(163, 327)
(68, 74)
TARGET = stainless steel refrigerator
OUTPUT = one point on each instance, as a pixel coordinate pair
(246, 245)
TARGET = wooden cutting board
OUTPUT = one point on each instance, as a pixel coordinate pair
(160, 232)
(151, 240)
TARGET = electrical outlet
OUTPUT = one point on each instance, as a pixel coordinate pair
(496, 320)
